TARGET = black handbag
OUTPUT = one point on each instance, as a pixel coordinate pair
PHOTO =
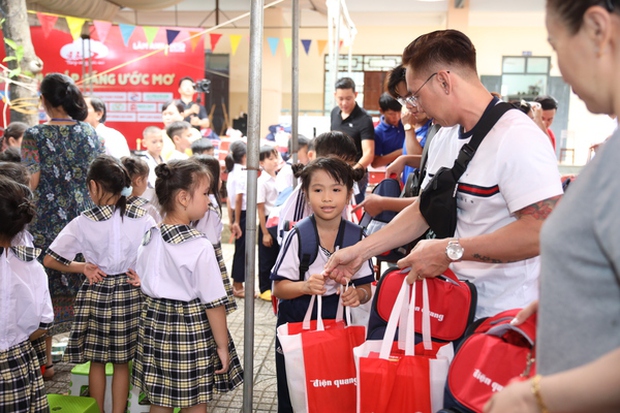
(438, 199)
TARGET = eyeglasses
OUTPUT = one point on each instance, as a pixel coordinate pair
(413, 99)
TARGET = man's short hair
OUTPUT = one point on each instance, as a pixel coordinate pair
(186, 78)
(387, 102)
(98, 106)
(393, 79)
(546, 102)
(345, 83)
(440, 48)
(175, 128)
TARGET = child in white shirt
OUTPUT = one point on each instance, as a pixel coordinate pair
(267, 194)
(236, 187)
(27, 306)
(211, 224)
(108, 304)
(185, 352)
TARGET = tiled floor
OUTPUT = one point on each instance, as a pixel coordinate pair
(264, 392)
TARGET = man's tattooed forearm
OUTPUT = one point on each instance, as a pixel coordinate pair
(539, 210)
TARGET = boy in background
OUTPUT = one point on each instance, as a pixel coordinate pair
(267, 194)
(153, 142)
(203, 146)
(180, 132)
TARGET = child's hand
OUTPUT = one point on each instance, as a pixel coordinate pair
(267, 240)
(350, 297)
(235, 231)
(315, 285)
(93, 273)
(133, 278)
(224, 356)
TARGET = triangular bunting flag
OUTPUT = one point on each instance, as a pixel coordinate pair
(194, 38)
(273, 44)
(234, 42)
(126, 32)
(214, 37)
(340, 45)
(306, 43)
(75, 26)
(150, 33)
(287, 45)
(171, 35)
(321, 44)
(47, 22)
(102, 28)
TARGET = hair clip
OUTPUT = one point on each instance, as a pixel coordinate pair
(127, 191)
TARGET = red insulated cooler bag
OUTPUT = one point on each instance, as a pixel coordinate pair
(453, 305)
(494, 354)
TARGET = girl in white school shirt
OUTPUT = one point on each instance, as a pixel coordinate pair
(211, 224)
(236, 187)
(107, 305)
(138, 171)
(25, 303)
(184, 349)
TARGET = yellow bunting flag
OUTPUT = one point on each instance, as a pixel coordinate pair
(150, 33)
(321, 44)
(75, 26)
(234, 42)
(288, 44)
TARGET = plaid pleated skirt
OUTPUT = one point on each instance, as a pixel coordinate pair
(105, 328)
(176, 356)
(21, 383)
(231, 304)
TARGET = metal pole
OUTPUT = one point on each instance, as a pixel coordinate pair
(254, 113)
(295, 81)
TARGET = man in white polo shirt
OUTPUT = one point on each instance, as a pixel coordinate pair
(509, 188)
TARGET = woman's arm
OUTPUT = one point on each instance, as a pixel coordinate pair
(592, 387)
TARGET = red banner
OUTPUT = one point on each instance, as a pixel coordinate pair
(132, 80)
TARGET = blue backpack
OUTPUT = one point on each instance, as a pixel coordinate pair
(348, 234)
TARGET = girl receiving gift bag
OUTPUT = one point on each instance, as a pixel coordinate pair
(400, 376)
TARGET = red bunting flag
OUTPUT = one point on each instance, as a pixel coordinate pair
(214, 37)
(47, 22)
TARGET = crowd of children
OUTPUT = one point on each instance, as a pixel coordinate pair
(151, 249)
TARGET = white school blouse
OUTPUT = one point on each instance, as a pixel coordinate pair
(237, 184)
(25, 302)
(211, 224)
(103, 238)
(177, 262)
(287, 265)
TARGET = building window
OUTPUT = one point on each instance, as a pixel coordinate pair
(524, 77)
(367, 71)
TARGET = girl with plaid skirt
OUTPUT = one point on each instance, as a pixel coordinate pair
(138, 171)
(184, 349)
(211, 224)
(25, 305)
(108, 303)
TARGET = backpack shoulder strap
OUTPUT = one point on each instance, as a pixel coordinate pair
(308, 239)
(349, 234)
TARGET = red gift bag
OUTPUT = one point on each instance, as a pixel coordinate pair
(318, 357)
(398, 376)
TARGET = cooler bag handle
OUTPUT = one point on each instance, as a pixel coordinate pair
(407, 330)
(527, 330)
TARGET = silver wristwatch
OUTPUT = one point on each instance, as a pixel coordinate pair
(454, 250)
